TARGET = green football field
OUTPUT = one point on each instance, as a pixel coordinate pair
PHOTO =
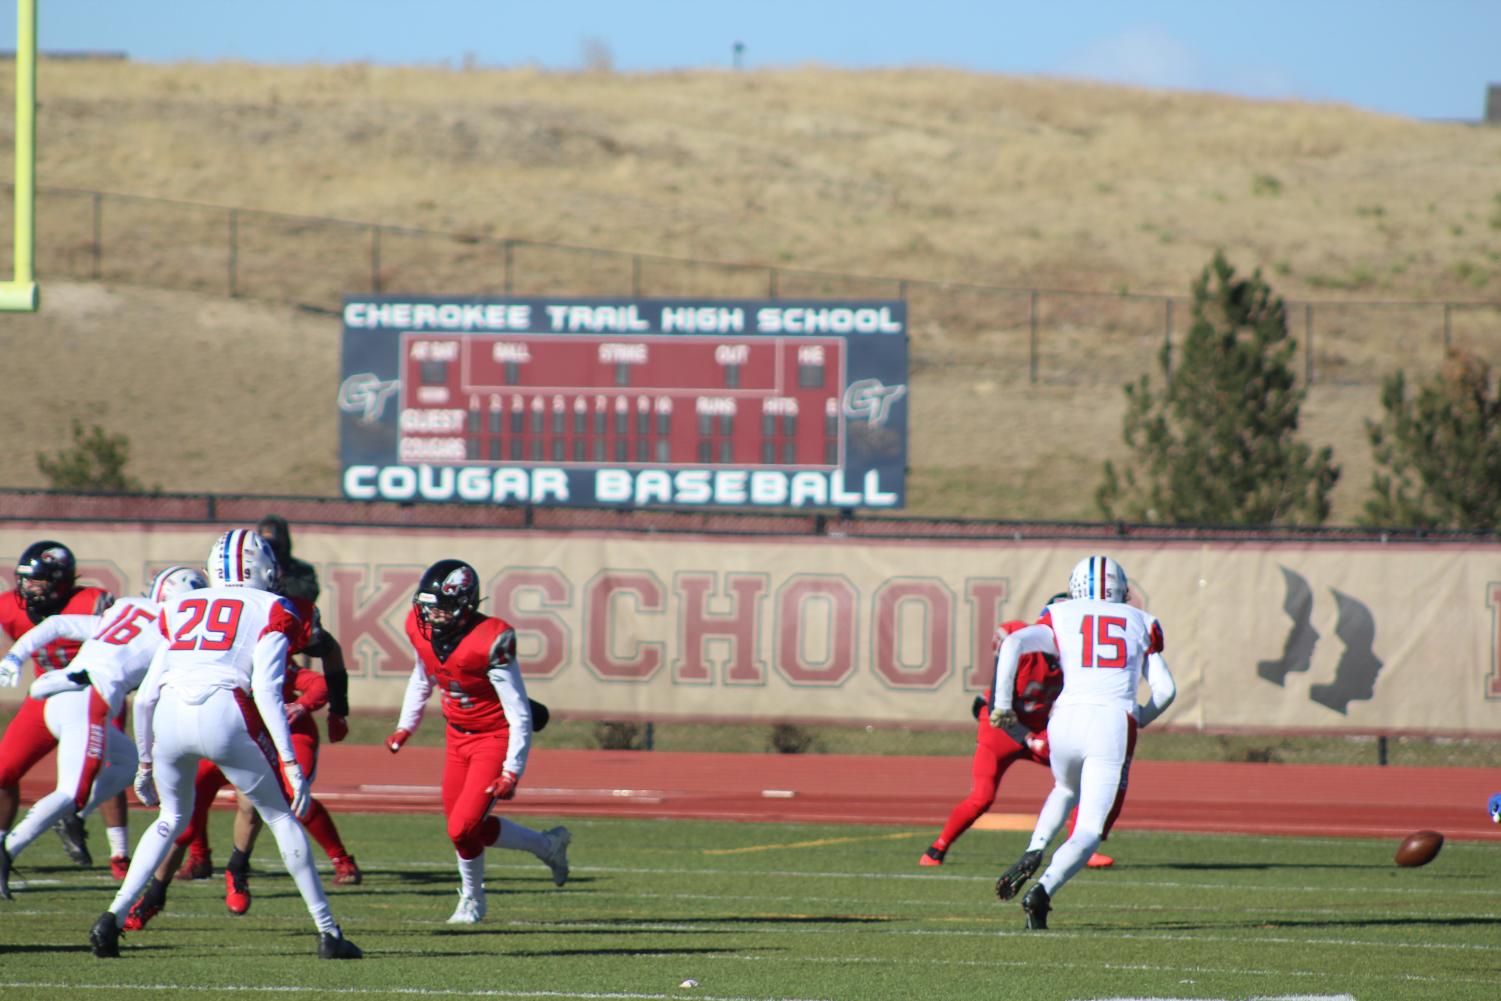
(749, 911)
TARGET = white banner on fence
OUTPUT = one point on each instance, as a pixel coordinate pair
(1328, 636)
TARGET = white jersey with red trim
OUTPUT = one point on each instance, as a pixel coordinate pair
(117, 644)
(212, 633)
(1103, 648)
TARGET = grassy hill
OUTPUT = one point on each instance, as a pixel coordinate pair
(925, 174)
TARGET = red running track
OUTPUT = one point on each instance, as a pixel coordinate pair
(1318, 800)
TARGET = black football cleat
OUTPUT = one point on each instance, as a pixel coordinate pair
(4, 872)
(333, 945)
(75, 839)
(1036, 905)
(105, 936)
(1012, 879)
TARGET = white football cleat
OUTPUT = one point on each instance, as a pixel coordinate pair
(556, 855)
(469, 911)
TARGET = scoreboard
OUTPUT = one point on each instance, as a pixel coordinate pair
(743, 403)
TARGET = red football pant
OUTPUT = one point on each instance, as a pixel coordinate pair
(26, 741)
(995, 751)
(471, 762)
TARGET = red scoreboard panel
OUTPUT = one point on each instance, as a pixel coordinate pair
(661, 401)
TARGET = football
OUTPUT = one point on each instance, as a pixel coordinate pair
(1419, 848)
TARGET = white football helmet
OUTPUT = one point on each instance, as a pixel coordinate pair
(173, 581)
(242, 558)
(1098, 577)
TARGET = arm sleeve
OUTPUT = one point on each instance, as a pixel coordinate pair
(268, 676)
(505, 675)
(54, 627)
(311, 688)
(419, 687)
(1033, 639)
(331, 654)
(1164, 690)
(146, 698)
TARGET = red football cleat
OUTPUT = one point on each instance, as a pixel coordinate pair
(346, 872)
(1098, 861)
(236, 892)
(196, 867)
(932, 856)
(139, 915)
(119, 865)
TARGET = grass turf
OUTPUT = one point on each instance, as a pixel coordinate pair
(788, 911)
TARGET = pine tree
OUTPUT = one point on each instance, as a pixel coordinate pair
(1439, 453)
(94, 464)
(1217, 444)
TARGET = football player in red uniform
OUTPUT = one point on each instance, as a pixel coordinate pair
(471, 659)
(46, 584)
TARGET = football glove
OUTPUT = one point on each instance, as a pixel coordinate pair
(10, 670)
(56, 682)
(146, 786)
(394, 742)
(503, 787)
(302, 794)
(1002, 719)
(338, 728)
(295, 711)
(1037, 743)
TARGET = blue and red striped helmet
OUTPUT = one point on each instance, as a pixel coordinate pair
(241, 558)
(1098, 577)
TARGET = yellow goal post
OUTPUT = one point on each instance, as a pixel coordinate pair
(21, 294)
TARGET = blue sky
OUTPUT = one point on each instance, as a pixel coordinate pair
(1428, 59)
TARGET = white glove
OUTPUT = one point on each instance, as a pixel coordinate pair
(10, 671)
(55, 683)
(146, 786)
(302, 795)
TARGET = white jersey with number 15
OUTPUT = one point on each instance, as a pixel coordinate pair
(1103, 648)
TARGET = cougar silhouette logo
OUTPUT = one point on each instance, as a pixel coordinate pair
(1355, 674)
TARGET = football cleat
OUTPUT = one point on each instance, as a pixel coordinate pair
(1098, 861)
(105, 936)
(470, 910)
(333, 945)
(4, 872)
(196, 867)
(140, 914)
(119, 865)
(1494, 808)
(236, 892)
(1012, 879)
(556, 855)
(1036, 905)
(933, 856)
(346, 871)
(75, 839)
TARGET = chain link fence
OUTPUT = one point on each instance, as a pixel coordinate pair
(1054, 336)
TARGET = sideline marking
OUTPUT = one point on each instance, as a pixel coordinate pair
(817, 843)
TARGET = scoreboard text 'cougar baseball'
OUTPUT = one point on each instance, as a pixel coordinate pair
(625, 403)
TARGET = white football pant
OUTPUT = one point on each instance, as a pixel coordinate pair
(1088, 748)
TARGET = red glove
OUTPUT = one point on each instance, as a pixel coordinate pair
(394, 742)
(338, 728)
(1037, 743)
(295, 711)
(503, 787)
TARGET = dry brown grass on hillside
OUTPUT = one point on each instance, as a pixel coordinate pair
(919, 173)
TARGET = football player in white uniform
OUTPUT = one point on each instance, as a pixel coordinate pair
(1104, 647)
(95, 759)
(214, 690)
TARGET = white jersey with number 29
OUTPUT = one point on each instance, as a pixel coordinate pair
(1103, 648)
